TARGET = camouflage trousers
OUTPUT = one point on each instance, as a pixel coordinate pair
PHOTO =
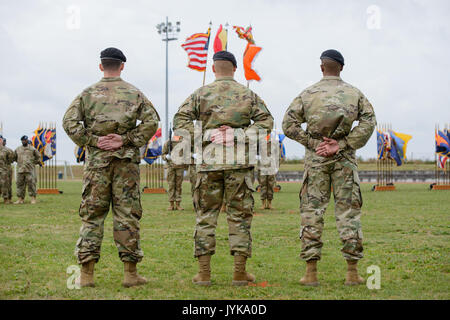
(342, 176)
(116, 185)
(175, 182)
(211, 189)
(5, 183)
(24, 180)
(192, 177)
(266, 184)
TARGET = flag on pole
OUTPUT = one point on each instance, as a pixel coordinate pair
(153, 149)
(220, 42)
(281, 145)
(80, 154)
(37, 140)
(441, 160)
(398, 146)
(196, 47)
(251, 51)
(49, 149)
(442, 143)
(380, 145)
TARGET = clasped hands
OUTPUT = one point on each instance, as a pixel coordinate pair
(110, 142)
(223, 135)
(327, 148)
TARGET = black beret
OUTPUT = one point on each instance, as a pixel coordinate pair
(333, 55)
(24, 138)
(225, 55)
(1, 137)
(114, 54)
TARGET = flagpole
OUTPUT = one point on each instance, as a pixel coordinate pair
(206, 65)
(226, 29)
(204, 74)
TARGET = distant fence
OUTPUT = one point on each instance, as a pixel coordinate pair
(368, 176)
(287, 176)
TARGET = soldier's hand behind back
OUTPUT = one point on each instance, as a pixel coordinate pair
(223, 135)
(327, 148)
(110, 142)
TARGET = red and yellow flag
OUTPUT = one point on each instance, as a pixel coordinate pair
(220, 42)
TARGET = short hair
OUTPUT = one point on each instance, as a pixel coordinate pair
(331, 65)
(224, 66)
(111, 64)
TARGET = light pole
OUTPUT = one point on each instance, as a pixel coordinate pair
(169, 32)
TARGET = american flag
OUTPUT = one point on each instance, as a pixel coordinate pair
(196, 47)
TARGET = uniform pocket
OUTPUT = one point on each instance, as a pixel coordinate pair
(250, 189)
(303, 194)
(196, 195)
(249, 183)
(357, 201)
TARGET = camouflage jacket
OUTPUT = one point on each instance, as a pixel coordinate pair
(223, 102)
(165, 153)
(6, 158)
(27, 158)
(110, 106)
(329, 109)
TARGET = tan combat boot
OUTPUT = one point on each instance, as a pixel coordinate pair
(87, 274)
(131, 277)
(7, 201)
(263, 205)
(269, 205)
(178, 206)
(352, 278)
(203, 277)
(171, 206)
(33, 200)
(223, 208)
(310, 278)
(19, 201)
(240, 276)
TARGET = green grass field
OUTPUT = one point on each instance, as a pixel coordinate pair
(406, 232)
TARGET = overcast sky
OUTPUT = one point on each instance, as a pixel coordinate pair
(396, 53)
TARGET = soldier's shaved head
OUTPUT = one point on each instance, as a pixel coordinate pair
(111, 64)
(111, 67)
(223, 68)
(330, 67)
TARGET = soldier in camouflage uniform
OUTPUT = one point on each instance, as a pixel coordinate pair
(329, 108)
(175, 175)
(10, 175)
(192, 176)
(222, 107)
(6, 158)
(27, 157)
(104, 119)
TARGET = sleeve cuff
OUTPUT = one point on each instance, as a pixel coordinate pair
(93, 141)
(342, 145)
(313, 143)
(125, 139)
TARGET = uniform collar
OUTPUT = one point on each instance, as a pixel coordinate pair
(331, 78)
(111, 79)
(225, 78)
